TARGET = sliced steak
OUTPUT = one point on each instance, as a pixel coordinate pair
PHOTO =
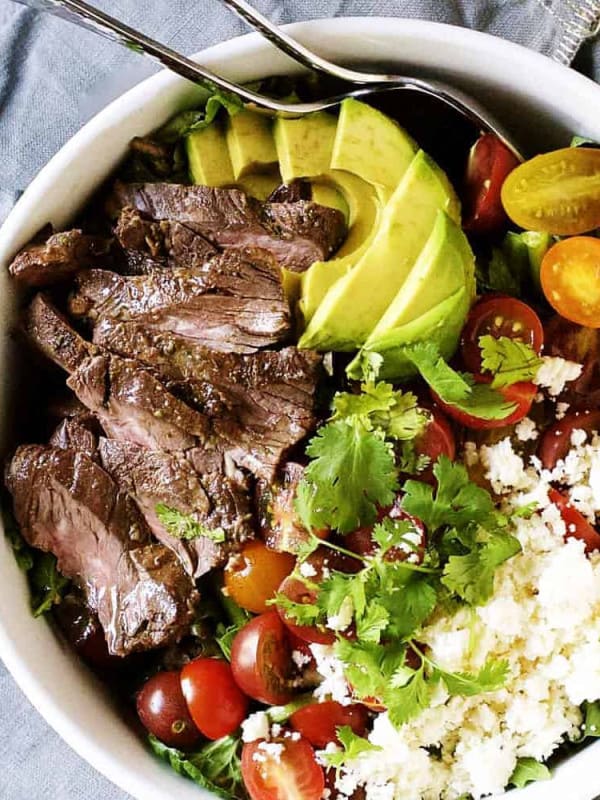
(234, 303)
(171, 242)
(132, 405)
(291, 192)
(50, 331)
(59, 257)
(297, 234)
(78, 433)
(153, 477)
(68, 505)
(259, 404)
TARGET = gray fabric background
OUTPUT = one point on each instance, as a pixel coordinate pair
(53, 78)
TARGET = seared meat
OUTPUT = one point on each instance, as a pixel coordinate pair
(50, 331)
(134, 406)
(170, 241)
(68, 505)
(279, 523)
(260, 404)
(78, 433)
(59, 257)
(154, 476)
(291, 192)
(297, 234)
(234, 303)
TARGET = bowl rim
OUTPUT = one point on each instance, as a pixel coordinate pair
(14, 233)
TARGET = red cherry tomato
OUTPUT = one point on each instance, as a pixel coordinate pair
(253, 577)
(556, 441)
(577, 525)
(214, 699)
(282, 769)
(499, 316)
(361, 540)
(520, 394)
(490, 161)
(318, 722)
(163, 711)
(436, 440)
(261, 660)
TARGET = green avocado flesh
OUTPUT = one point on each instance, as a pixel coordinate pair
(357, 301)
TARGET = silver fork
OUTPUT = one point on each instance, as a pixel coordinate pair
(361, 84)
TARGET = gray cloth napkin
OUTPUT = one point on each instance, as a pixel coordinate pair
(53, 78)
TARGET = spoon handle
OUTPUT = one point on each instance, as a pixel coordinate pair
(95, 20)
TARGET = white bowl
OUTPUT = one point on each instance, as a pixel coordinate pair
(542, 102)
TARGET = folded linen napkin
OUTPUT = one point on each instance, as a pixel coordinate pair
(53, 78)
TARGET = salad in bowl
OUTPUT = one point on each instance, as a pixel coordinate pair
(315, 484)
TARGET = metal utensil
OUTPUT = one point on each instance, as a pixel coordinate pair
(361, 84)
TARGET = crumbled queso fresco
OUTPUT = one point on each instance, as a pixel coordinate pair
(549, 633)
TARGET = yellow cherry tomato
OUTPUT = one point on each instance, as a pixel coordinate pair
(570, 278)
(255, 574)
(557, 192)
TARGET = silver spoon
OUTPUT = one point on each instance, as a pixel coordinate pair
(362, 84)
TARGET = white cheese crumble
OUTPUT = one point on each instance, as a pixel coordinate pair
(256, 726)
(555, 372)
(307, 570)
(334, 685)
(526, 430)
(341, 620)
(268, 751)
(300, 659)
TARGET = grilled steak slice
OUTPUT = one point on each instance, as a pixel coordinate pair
(78, 433)
(153, 477)
(59, 257)
(49, 330)
(297, 234)
(67, 505)
(291, 192)
(260, 405)
(132, 405)
(170, 241)
(235, 303)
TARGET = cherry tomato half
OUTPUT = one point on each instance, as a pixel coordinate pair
(580, 344)
(318, 722)
(255, 574)
(163, 711)
(499, 316)
(556, 441)
(436, 440)
(570, 277)
(214, 699)
(261, 660)
(519, 394)
(282, 769)
(557, 192)
(577, 525)
(361, 541)
(490, 161)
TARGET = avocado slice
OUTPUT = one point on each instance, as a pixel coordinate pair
(250, 142)
(208, 157)
(371, 145)
(445, 264)
(356, 302)
(442, 325)
(304, 145)
(260, 184)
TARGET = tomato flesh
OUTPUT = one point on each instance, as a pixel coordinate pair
(318, 722)
(570, 277)
(490, 161)
(436, 440)
(261, 660)
(557, 192)
(282, 769)
(254, 575)
(163, 711)
(216, 703)
(556, 441)
(499, 316)
(577, 525)
(520, 394)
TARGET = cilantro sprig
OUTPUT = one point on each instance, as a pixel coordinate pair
(185, 526)
(508, 360)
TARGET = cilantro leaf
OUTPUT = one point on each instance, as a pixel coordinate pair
(300, 613)
(456, 501)
(456, 388)
(527, 771)
(411, 605)
(390, 533)
(380, 406)
(47, 584)
(352, 472)
(24, 554)
(371, 625)
(352, 747)
(185, 526)
(508, 360)
(409, 699)
(471, 576)
(368, 666)
(491, 677)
